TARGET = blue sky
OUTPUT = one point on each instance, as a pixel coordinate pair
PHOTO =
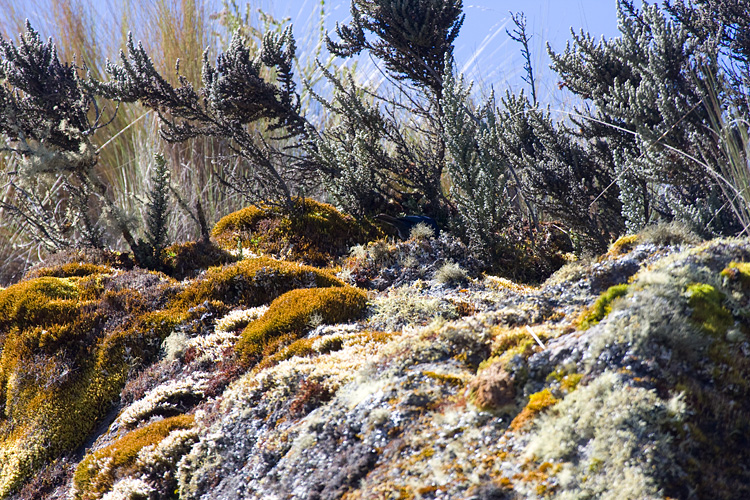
(484, 51)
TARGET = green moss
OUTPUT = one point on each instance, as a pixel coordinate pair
(253, 282)
(708, 311)
(602, 307)
(97, 472)
(316, 233)
(291, 313)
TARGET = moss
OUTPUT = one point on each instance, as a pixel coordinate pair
(182, 260)
(63, 363)
(445, 378)
(622, 246)
(252, 282)
(73, 269)
(37, 302)
(97, 471)
(602, 307)
(316, 233)
(538, 402)
(291, 312)
(708, 311)
(738, 271)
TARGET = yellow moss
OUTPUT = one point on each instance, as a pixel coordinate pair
(623, 245)
(316, 233)
(738, 271)
(73, 269)
(299, 348)
(253, 282)
(708, 311)
(97, 471)
(445, 378)
(538, 402)
(38, 301)
(182, 259)
(61, 371)
(291, 313)
(602, 307)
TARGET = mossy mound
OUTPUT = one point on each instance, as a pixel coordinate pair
(98, 471)
(253, 282)
(184, 260)
(316, 233)
(66, 354)
(295, 312)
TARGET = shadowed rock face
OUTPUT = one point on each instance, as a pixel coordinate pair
(641, 393)
(404, 225)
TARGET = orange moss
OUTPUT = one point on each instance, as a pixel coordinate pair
(316, 233)
(291, 313)
(97, 471)
(538, 402)
(252, 282)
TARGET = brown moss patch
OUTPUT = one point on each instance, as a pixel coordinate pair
(97, 472)
(493, 389)
(290, 314)
(316, 233)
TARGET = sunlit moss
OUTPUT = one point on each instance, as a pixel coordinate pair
(708, 311)
(97, 471)
(623, 245)
(538, 402)
(73, 269)
(316, 233)
(291, 313)
(602, 307)
(253, 282)
(738, 271)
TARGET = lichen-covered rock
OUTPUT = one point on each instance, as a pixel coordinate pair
(621, 377)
